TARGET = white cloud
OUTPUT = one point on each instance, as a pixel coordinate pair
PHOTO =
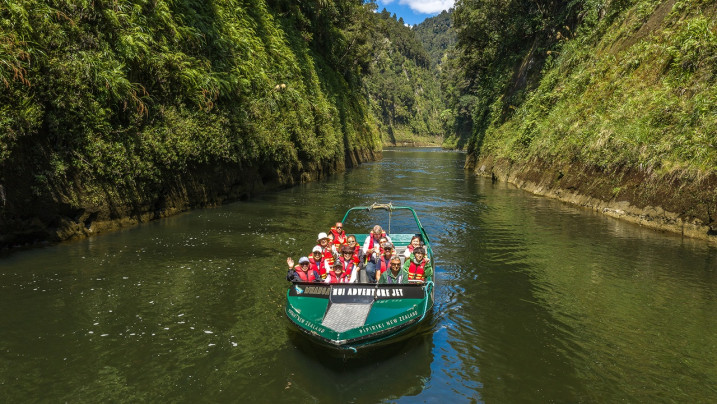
(427, 6)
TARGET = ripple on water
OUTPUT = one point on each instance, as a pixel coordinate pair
(536, 301)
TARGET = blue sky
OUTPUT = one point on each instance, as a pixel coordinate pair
(414, 11)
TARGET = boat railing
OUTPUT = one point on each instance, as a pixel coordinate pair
(390, 208)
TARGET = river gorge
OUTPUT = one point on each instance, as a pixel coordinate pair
(536, 301)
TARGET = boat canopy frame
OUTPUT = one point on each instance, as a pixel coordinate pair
(390, 208)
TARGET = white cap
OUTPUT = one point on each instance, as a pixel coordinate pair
(322, 235)
(316, 249)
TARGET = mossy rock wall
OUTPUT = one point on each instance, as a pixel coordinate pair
(114, 112)
(613, 106)
(668, 203)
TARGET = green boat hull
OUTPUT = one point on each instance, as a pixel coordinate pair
(352, 316)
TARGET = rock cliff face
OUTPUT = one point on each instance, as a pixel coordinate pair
(78, 211)
(681, 205)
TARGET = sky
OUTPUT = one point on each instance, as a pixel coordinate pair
(414, 11)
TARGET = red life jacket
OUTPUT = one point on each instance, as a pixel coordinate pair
(327, 254)
(318, 266)
(338, 279)
(347, 265)
(370, 244)
(416, 271)
(339, 239)
(357, 254)
(308, 276)
(385, 263)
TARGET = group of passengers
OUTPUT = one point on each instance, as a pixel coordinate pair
(338, 258)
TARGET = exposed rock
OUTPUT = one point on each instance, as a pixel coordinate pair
(680, 205)
(80, 211)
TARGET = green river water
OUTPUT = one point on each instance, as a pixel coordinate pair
(536, 301)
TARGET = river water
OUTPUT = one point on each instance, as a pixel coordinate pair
(536, 301)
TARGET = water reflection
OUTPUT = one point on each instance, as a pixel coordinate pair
(536, 301)
(594, 313)
(398, 370)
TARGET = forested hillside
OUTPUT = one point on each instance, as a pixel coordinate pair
(116, 111)
(402, 85)
(437, 35)
(612, 100)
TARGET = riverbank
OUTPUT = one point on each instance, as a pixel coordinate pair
(78, 212)
(412, 144)
(676, 204)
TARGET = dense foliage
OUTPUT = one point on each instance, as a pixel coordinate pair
(401, 84)
(119, 96)
(437, 35)
(494, 38)
(619, 84)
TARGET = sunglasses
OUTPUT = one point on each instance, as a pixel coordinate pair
(339, 228)
(304, 264)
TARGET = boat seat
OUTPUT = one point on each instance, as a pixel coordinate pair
(400, 250)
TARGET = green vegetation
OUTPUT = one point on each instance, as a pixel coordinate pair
(106, 106)
(401, 84)
(437, 36)
(101, 98)
(620, 85)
